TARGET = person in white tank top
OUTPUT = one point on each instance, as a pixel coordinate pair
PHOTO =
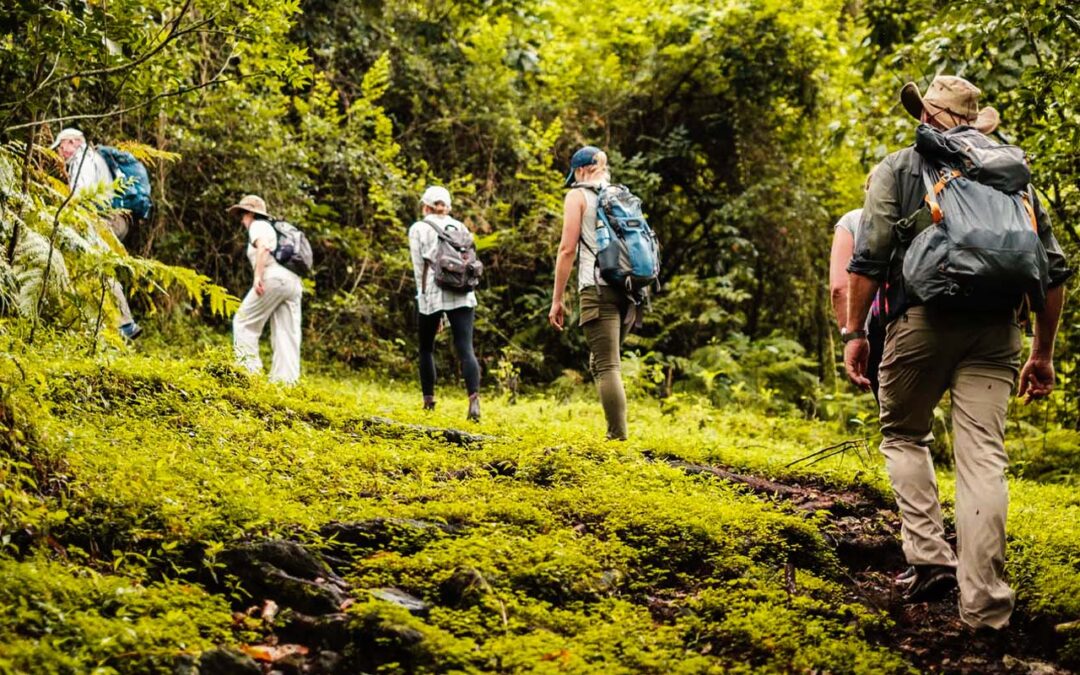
(603, 309)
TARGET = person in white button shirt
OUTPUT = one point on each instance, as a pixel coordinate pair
(274, 297)
(87, 170)
(434, 302)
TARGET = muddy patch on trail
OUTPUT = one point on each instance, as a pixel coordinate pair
(863, 529)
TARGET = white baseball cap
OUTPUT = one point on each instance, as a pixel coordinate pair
(64, 135)
(436, 194)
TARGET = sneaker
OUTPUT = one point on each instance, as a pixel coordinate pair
(474, 409)
(429, 403)
(131, 330)
(931, 582)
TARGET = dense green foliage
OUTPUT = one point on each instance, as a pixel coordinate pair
(747, 127)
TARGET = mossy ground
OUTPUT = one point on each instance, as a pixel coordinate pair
(125, 477)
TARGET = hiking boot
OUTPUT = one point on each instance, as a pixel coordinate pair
(429, 403)
(131, 330)
(474, 408)
(931, 583)
(905, 577)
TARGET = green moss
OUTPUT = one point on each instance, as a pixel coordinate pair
(542, 549)
(57, 618)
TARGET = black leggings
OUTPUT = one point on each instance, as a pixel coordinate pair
(461, 325)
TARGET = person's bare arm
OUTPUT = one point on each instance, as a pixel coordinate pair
(861, 290)
(843, 245)
(573, 211)
(262, 255)
(1037, 376)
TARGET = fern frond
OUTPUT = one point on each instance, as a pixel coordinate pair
(31, 259)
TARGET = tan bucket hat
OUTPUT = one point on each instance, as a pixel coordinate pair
(951, 94)
(250, 203)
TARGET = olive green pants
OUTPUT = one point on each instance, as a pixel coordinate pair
(974, 356)
(603, 318)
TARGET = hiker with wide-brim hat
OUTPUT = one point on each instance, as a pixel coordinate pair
(274, 297)
(965, 343)
(949, 102)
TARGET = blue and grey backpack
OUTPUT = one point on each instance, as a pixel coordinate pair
(135, 196)
(627, 252)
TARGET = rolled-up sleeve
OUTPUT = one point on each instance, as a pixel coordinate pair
(875, 238)
(1059, 266)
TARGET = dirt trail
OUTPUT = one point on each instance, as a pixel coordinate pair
(864, 530)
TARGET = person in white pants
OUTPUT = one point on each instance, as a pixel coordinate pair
(274, 297)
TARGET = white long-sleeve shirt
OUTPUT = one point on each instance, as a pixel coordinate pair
(89, 173)
(423, 245)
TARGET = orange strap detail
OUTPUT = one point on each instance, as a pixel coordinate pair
(1031, 212)
(935, 208)
(940, 185)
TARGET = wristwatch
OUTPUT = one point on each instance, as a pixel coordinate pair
(847, 336)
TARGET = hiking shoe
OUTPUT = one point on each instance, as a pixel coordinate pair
(905, 577)
(474, 409)
(429, 403)
(931, 582)
(131, 330)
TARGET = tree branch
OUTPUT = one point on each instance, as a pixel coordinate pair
(174, 33)
(52, 248)
(168, 94)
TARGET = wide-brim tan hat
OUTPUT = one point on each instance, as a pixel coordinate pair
(252, 203)
(951, 94)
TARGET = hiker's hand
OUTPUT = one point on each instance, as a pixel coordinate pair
(259, 287)
(856, 360)
(557, 315)
(1036, 378)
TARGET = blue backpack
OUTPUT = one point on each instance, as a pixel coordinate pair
(627, 252)
(135, 196)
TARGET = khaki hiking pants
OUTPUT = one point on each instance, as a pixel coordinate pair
(975, 357)
(280, 305)
(119, 225)
(603, 318)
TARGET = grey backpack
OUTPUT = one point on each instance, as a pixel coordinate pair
(456, 265)
(293, 250)
(981, 249)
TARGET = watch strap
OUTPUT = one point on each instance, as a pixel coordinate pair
(848, 336)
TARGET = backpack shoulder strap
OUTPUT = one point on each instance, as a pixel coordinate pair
(105, 153)
(934, 189)
(277, 231)
(439, 231)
